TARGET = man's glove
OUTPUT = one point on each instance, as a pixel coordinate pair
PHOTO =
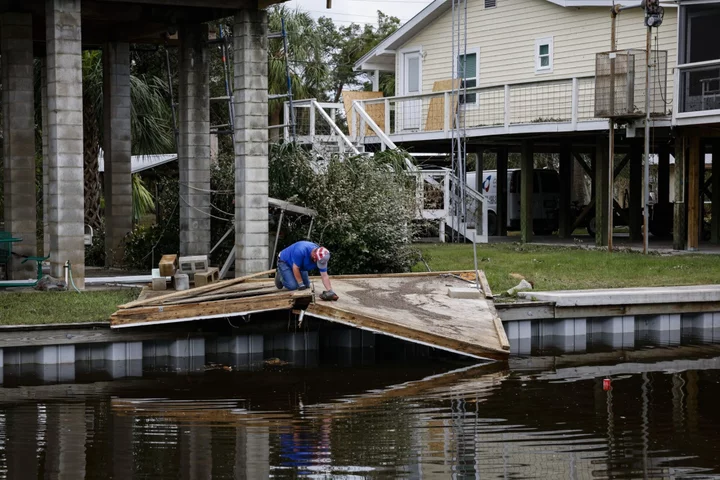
(328, 296)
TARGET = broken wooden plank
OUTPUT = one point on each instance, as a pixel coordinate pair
(225, 296)
(377, 325)
(194, 291)
(201, 311)
(485, 285)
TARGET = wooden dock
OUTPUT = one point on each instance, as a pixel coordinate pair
(414, 307)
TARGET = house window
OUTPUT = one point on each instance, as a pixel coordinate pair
(490, 3)
(544, 55)
(468, 73)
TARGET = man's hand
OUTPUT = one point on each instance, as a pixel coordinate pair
(329, 296)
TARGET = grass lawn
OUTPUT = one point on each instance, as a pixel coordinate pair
(33, 308)
(566, 268)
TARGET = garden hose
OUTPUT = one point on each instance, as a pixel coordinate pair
(71, 278)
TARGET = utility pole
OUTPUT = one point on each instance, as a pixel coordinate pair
(611, 127)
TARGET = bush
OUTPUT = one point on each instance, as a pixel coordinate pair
(95, 253)
(365, 206)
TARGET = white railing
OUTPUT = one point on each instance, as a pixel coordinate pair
(555, 101)
(697, 88)
(316, 123)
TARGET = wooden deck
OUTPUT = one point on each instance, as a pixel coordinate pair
(418, 308)
(412, 307)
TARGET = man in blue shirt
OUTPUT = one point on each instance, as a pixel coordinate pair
(296, 261)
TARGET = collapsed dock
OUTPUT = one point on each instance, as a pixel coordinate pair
(444, 310)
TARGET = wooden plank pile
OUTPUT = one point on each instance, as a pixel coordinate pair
(234, 297)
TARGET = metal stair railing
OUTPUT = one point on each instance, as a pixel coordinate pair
(473, 201)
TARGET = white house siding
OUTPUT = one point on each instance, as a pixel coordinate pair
(506, 36)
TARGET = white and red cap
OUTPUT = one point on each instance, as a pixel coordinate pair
(321, 256)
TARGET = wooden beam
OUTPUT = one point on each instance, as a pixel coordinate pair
(584, 166)
(484, 285)
(636, 192)
(602, 166)
(694, 197)
(566, 184)
(621, 165)
(715, 193)
(680, 206)
(527, 176)
(502, 191)
(194, 291)
(588, 208)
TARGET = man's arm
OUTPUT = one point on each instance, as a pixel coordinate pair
(296, 273)
(326, 280)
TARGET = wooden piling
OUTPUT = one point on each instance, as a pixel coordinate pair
(527, 175)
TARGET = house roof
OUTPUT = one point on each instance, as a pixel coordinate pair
(382, 57)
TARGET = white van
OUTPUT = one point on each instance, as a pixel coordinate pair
(546, 199)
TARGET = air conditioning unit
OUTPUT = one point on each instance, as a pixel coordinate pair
(620, 90)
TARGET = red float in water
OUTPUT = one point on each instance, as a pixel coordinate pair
(606, 384)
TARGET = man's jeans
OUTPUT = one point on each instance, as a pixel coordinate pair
(288, 279)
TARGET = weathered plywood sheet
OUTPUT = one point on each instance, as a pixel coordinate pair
(417, 309)
(376, 111)
(436, 111)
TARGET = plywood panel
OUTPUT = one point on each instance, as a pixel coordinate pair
(375, 111)
(436, 112)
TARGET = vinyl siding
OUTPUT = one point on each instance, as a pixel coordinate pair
(506, 36)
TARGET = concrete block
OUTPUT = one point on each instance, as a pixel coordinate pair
(195, 263)
(211, 275)
(182, 281)
(193, 347)
(168, 265)
(159, 284)
(47, 355)
(256, 344)
(465, 293)
(240, 345)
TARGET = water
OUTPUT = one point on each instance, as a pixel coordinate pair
(543, 417)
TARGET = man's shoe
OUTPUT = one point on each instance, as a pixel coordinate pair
(278, 280)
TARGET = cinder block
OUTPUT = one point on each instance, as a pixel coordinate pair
(211, 275)
(168, 265)
(159, 284)
(191, 264)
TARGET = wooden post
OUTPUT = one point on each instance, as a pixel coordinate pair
(636, 190)
(663, 197)
(566, 174)
(479, 163)
(715, 225)
(602, 164)
(502, 191)
(527, 175)
(693, 215)
(680, 212)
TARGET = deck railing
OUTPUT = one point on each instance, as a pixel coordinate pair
(556, 101)
(698, 87)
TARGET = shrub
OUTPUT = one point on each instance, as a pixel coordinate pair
(365, 206)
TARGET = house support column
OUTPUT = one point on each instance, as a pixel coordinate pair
(680, 210)
(502, 191)
(527, 174)
(565, 219)
(45, 158)
(117, 149)
(194, 148)
(65, 138)
(635, 203)
(16, 49)
(715, 222)
(694, 194)
(602, 191)
(251, 141)
(479, 173)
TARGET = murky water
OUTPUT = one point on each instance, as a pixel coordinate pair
(537, 418)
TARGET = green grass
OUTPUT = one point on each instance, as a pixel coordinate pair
(33, 308)
(567, 268)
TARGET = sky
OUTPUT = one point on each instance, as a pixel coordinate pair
(360, 11)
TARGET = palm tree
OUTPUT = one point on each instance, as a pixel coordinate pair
(150, 126)
(308, 68)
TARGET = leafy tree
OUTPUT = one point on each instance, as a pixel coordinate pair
(347, 44)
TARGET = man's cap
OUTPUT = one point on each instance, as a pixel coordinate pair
(322, 255)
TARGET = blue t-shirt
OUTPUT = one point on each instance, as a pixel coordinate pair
(299, 254)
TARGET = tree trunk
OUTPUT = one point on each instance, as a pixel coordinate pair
(91, 171)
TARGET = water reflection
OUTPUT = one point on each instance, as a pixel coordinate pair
(417, 420)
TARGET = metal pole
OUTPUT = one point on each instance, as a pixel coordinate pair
(172, 103)
(289, 82)
(277, 237)
(228, 90)
(646, 173)
(611, 129)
